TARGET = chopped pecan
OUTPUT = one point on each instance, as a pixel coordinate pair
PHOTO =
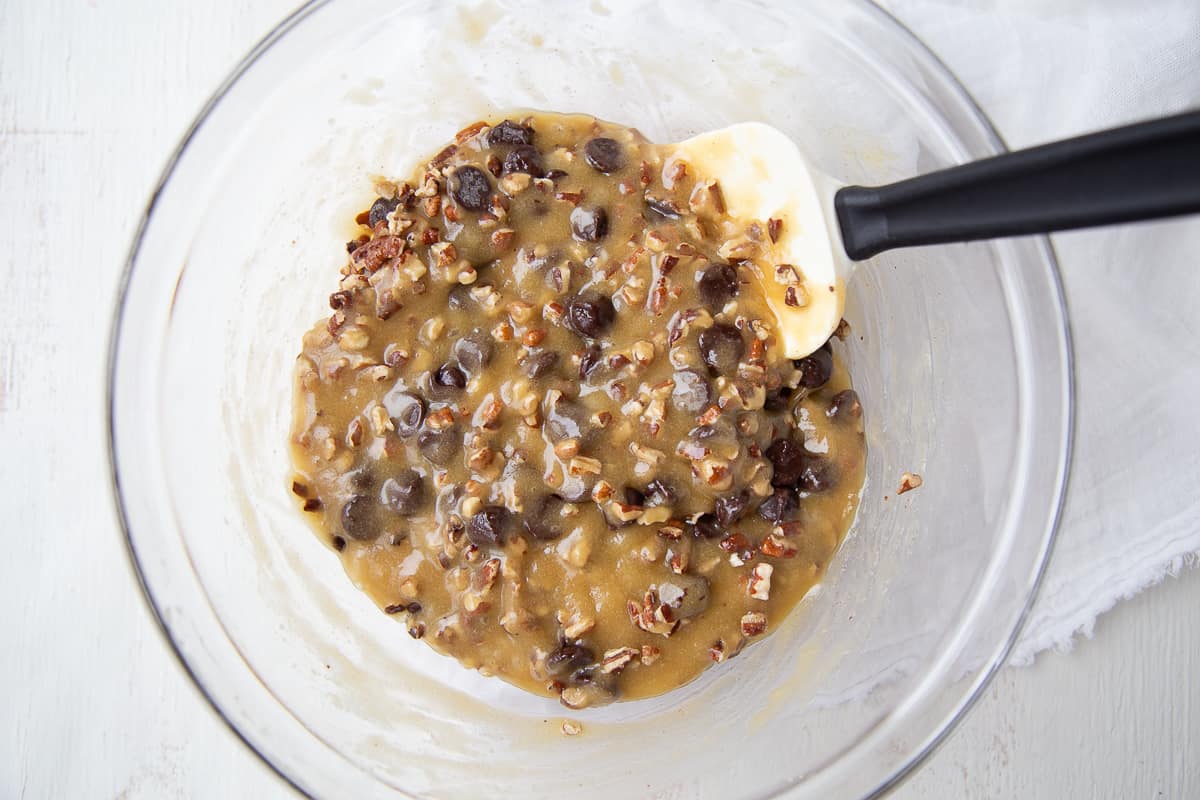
(672, 531)
(617, 659)
(469, 131)
(908, 482)
(502, 238)
(652, 615)
(438, 420)
(776, 546)
(759, 586)
(754, 623)
(444, 155)
(774, 227)
(372, 255)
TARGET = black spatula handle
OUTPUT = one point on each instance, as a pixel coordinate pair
(1143, 171)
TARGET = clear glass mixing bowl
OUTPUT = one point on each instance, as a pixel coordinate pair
(960, 353)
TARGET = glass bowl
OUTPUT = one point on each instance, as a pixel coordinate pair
(960, 353)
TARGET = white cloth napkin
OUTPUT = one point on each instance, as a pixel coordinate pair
(1046, 71)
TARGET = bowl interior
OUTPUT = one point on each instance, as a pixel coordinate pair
(958, 352)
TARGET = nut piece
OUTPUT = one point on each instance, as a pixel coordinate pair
(567, 448)
(569, 726)
(576, 549)
(521, 312)
(908, 482)
(354, 338)
(488, 415)
(759, 586)
(381, 423)
(602, 491)
(673, 532)
(652, 615)
(584, 465)
(739, 249)
(643, 352)
(438, 420)
(515, 182)
(776, 546)
(616, 660)
(625, 513)
(502, 238)
(444, 252)
(754, 623)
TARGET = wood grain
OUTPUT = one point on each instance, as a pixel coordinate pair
(92, 99)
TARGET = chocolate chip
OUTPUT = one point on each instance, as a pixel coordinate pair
(633, 497)
(692, 393)
(545, 521)
(604, 154)
(659, 493)
(731, 508)
(779, 506)
(721, 348)
(845, 406)
(556, 174)
(661, 207)
(380, 210)
(589, 224)
(439, 446)
(362, 479)
(591, 361)
(590, 315)
(339, 543)
(566, 419)
(538, 364)
(471, 188)
(509, 132)
(403, 493)
(339, 300)
(717, 286)
(450, 377)
(524, 158)
(487, 528)
(707, 527)
(474, 351)
(407, 411)
(577, 488)
(795, 466)
(357, 519)
(777, 399)
(695, 589)
(568, 659)
(815, 370)
(788, 458)
(394, 357)
(459, 298)
(818, 474)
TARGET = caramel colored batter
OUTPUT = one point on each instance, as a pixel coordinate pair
(548, 425)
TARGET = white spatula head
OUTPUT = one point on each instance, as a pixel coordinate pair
(763, 176)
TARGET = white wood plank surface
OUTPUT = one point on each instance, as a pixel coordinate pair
(93, 96)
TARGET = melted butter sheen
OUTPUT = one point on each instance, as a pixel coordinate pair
(549, 425)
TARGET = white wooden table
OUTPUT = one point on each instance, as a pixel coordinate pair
(93, 95)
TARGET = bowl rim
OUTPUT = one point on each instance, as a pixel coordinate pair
(284, 26)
